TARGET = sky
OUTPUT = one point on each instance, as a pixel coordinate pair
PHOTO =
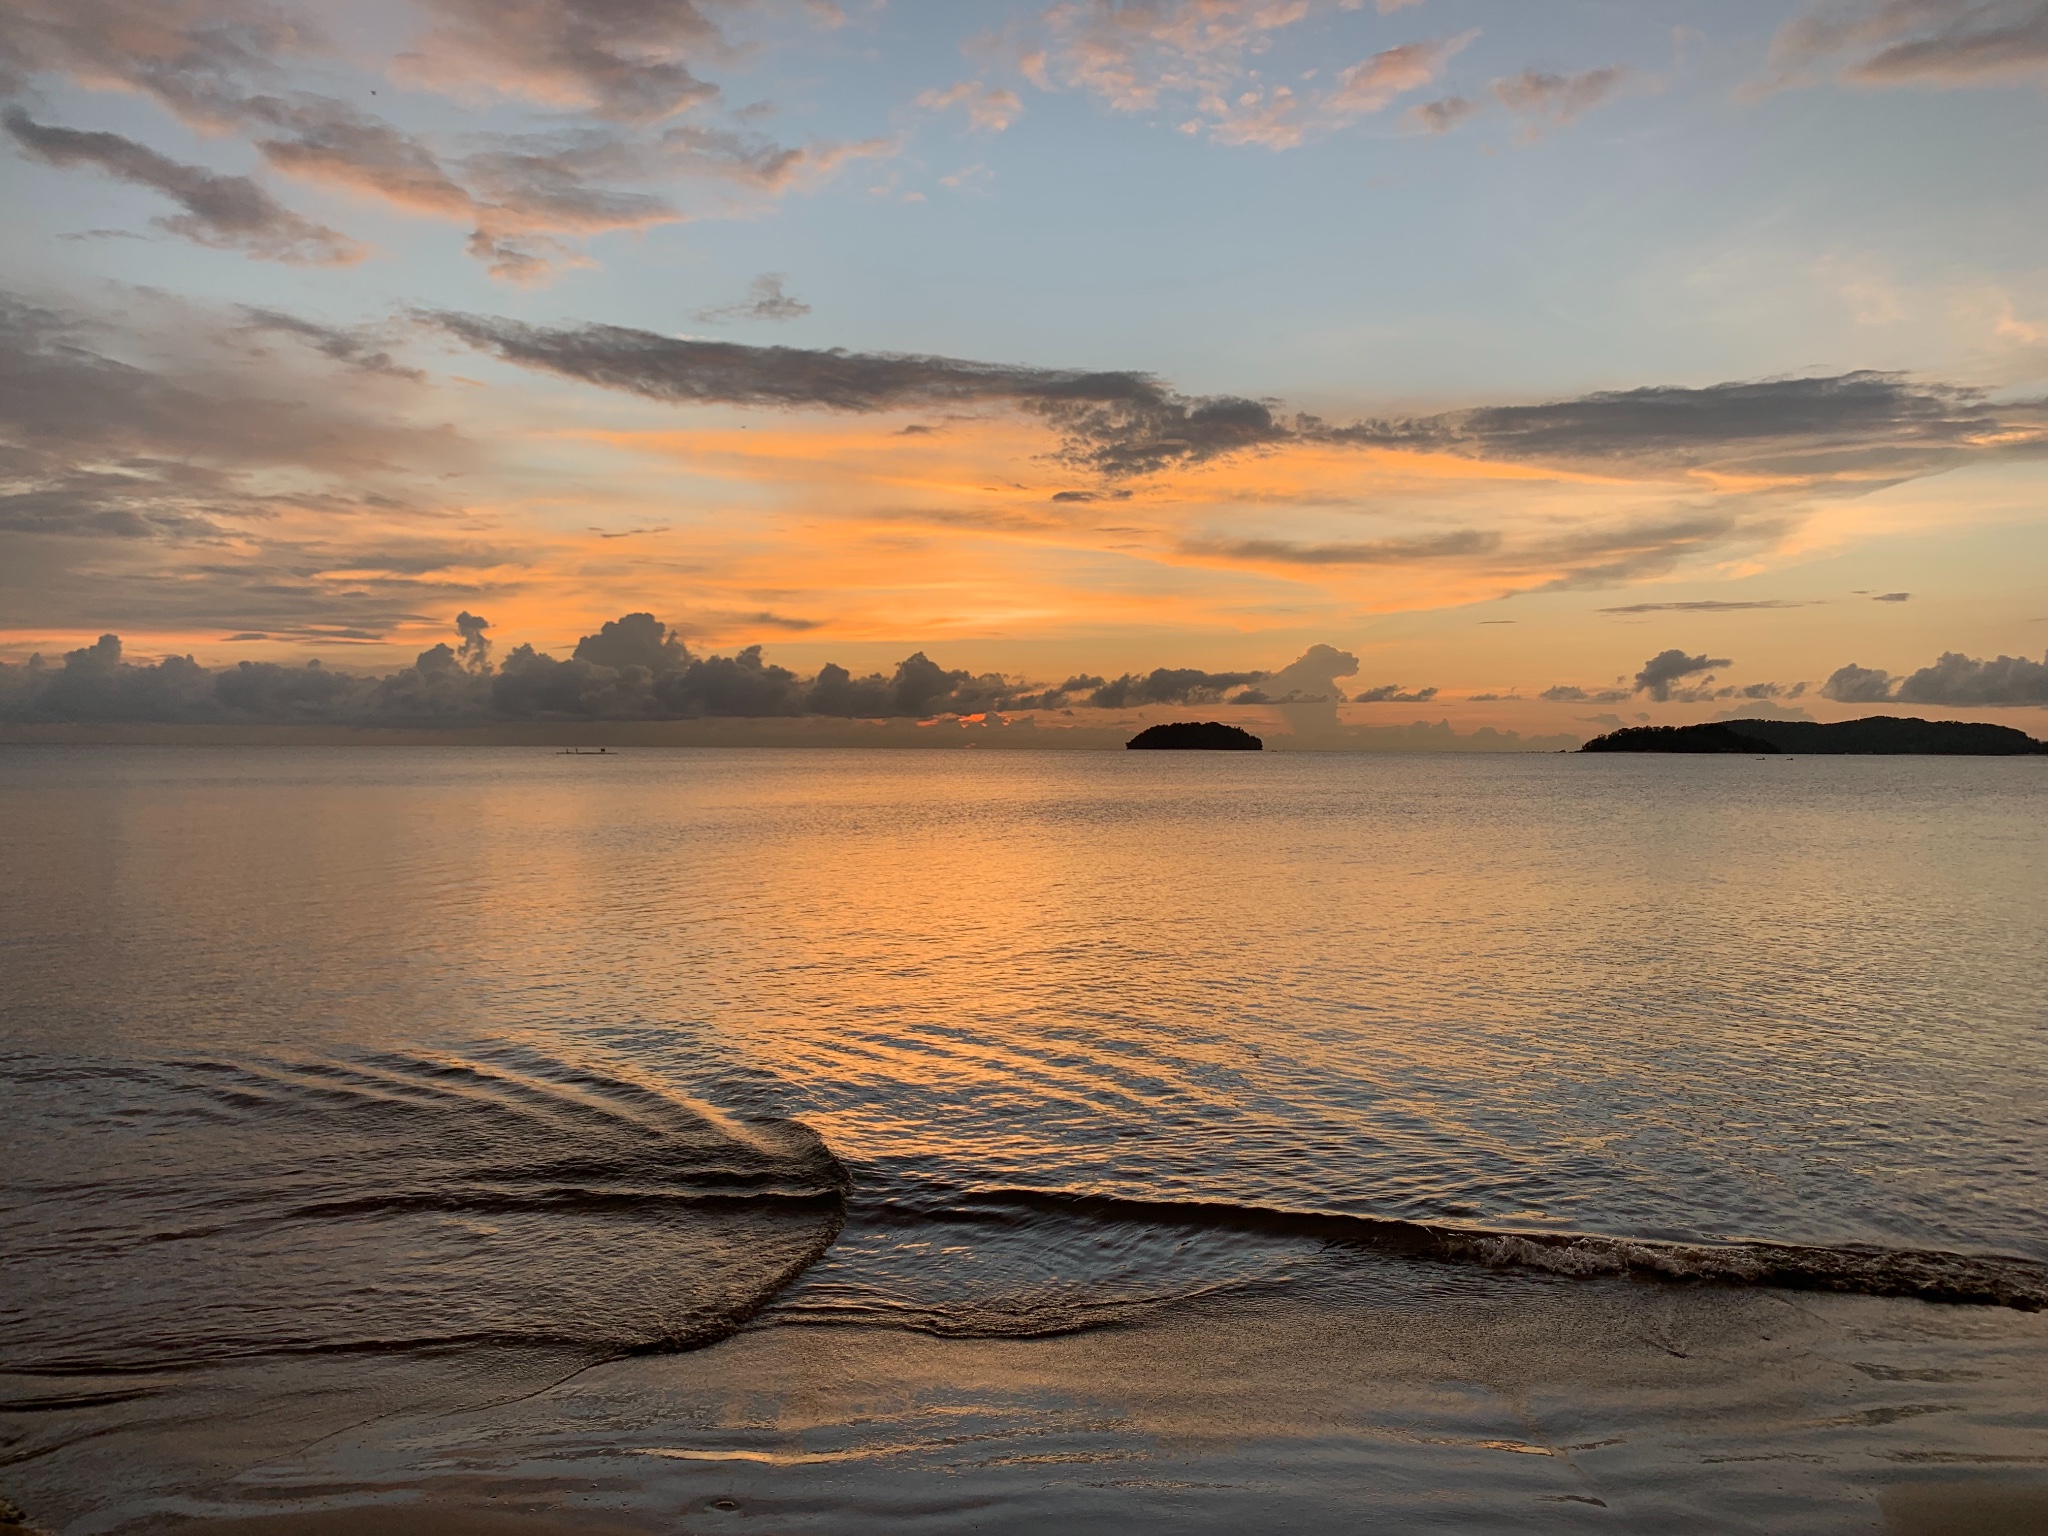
(1550, 364)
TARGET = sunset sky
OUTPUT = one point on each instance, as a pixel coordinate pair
(1502, 346)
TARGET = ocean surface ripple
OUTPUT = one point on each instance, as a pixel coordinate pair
(341, 1053)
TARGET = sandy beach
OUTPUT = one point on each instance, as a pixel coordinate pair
(1422, 1400)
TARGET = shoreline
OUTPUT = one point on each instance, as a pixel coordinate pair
(1404, 1401)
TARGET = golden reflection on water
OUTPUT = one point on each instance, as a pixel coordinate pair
(1787, 998)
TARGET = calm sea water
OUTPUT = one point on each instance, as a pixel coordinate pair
(519, 1060)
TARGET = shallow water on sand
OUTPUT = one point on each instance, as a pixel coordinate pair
(439, 1075)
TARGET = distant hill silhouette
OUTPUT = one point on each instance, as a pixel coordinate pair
(1874, 735)
(1194, 736)
(1679, 738)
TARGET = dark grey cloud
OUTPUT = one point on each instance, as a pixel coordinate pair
(227, 212)
(92, 442)
(173, 468)
(1959, 680)
(1704, 607)
(1169, 685)
(1955, 681)
(1917, 42)
(1118, 423)
(1123, 423)
(1568, 693)
(1892, 597)
(362, 347)
(1664, 669)
(1859, 420)
(633, 667)
(1857, 685)
(1393, 693)
(767, 299)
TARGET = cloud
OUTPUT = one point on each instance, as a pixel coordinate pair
(1941, 43)
(1459, 544)
(989, 109)
(356, 346)
(226, 212)
(174, 466)
(1373, 83)
(1197, 57)
(1391, 693)
(766, 300)
(1567, 693)
(1116, 423)
(1708, 606)
(1857, 685)
(456, 686)
(1168, 685)
(1439, 116)
(1546, 101)
(1667, 667)
(1955, 680)
(201, 59)
(1958, 680)
(228, 66)
(1763, 709)
(1282, 118)
(1132, 55)
(1310, 678)
(633, 667)
(1892, 597)
(95, 444)
(1728, 466)
(629, 62)
(1863, 421)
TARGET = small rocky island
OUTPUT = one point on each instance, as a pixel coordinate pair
(1194, 736)
(1872, 736)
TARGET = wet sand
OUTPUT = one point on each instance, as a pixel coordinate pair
(1426, 1403)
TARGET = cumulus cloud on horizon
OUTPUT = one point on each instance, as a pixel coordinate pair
(1953, 681)
(631, 668)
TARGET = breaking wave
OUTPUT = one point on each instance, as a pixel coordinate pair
(1053, 1262)
(198, 1211)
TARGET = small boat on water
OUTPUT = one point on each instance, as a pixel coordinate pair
(587, 752)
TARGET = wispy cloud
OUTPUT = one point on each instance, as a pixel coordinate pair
(1544, 102)
(767, 299)
(630, 63)
(1198, 59)
(615, 151)
(1941, 43)
(990, 109)
(229, 212)
(1705, 606)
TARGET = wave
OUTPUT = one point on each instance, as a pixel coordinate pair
(199, 1211)
(1867, 1270)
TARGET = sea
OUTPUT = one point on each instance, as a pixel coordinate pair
(803, 1137)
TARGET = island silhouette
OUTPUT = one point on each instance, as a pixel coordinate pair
(1871, 736)
(1194, 736)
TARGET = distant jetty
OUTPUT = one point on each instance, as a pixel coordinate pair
(1194, 736)
(1875, 735)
